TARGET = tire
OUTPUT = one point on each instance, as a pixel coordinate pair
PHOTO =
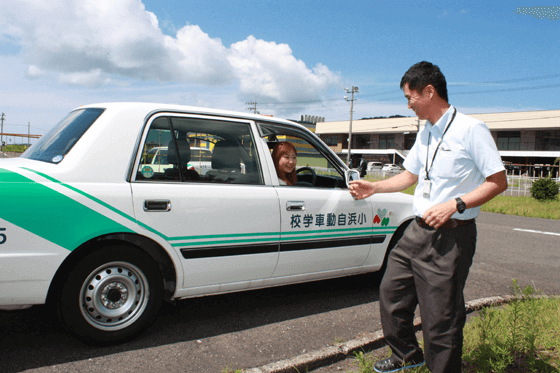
(111, 295)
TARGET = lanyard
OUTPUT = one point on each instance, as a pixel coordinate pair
(439, 143)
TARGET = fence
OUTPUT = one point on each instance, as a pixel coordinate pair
(520, 181)
(520, 178)
(9, 154)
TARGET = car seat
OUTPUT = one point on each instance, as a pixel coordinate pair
(180, 154)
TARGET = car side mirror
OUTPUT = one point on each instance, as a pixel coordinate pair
(350, 175)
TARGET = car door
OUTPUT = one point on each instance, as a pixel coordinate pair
(324, 231)
(223, 223)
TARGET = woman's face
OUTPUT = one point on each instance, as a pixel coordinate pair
(288, 162)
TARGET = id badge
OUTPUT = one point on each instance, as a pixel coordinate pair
(427, 188)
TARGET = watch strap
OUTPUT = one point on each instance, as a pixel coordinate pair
(461, 206)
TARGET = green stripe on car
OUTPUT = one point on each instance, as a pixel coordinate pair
(50, 214)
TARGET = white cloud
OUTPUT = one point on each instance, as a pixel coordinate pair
(200, 58)
(34, 72)
(94, 43)
(269, 70)
(93, 78)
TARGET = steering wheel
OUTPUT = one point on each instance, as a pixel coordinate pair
(313, 176)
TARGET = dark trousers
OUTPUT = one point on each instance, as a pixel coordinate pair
(428, 268)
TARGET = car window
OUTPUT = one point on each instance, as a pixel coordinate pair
(54, 146)
(181, 149)
(315, 166)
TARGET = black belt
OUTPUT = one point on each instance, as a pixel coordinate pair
(451, 223)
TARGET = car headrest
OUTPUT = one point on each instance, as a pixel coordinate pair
(226, 155)
(182, 150)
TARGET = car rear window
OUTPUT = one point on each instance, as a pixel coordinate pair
(53, 146)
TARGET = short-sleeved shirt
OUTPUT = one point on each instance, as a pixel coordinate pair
(467, 155)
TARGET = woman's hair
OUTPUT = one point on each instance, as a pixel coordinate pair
(278, 152)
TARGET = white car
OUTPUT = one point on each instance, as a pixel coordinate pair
(390, 167)
(371, 166)
(87, 229)
(155, 160)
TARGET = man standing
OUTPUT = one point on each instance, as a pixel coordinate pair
(458, 168)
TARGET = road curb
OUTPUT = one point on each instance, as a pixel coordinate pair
(368, 341)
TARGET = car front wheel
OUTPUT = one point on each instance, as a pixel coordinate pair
(111, 295)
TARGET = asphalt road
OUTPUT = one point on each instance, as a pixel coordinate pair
(253, 328)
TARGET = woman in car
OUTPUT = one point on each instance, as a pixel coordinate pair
(284, 156)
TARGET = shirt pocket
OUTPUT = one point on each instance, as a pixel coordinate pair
(445, 165)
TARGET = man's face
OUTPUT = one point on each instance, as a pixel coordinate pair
(417, 102)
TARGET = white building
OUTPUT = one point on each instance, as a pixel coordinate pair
(525, 138)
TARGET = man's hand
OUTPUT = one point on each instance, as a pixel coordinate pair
(360, 189)
(437, 215)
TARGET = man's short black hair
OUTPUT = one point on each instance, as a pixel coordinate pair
(423, 74)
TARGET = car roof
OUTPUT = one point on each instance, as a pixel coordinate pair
(151, 108)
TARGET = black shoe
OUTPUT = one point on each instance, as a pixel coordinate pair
(388, 366)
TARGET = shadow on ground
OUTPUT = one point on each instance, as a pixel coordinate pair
(34, 338)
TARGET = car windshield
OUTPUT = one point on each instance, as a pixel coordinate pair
(53, 146)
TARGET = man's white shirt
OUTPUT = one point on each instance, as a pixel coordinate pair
(466, 156)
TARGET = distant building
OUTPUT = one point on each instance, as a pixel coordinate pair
(526, 138)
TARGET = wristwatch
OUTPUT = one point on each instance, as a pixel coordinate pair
(461, 206)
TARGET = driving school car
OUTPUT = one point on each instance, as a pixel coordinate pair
(90, 228)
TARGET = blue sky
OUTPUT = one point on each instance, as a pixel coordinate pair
(291, 57)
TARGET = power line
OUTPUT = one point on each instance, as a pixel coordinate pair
(26, 125)
(300, 102)
(508, 89)
(394, 92)
(515, 80)
(252, 107)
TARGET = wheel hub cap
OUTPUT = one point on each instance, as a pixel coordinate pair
(114, 296)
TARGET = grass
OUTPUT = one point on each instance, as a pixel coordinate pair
(524, 206)
(229, 370)
(15, 148)
(523, 336)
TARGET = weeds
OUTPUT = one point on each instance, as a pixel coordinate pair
(297, 370)
(364, 364)
(519, 337)
(523, 336)
(338, 340)
(228, 370)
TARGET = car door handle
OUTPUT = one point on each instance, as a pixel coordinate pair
(157, 205)
(295, 205)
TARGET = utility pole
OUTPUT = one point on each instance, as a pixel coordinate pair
(253, 108)
(352, 91)
(2, 132)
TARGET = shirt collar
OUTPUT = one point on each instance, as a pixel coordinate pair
(437, 129)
